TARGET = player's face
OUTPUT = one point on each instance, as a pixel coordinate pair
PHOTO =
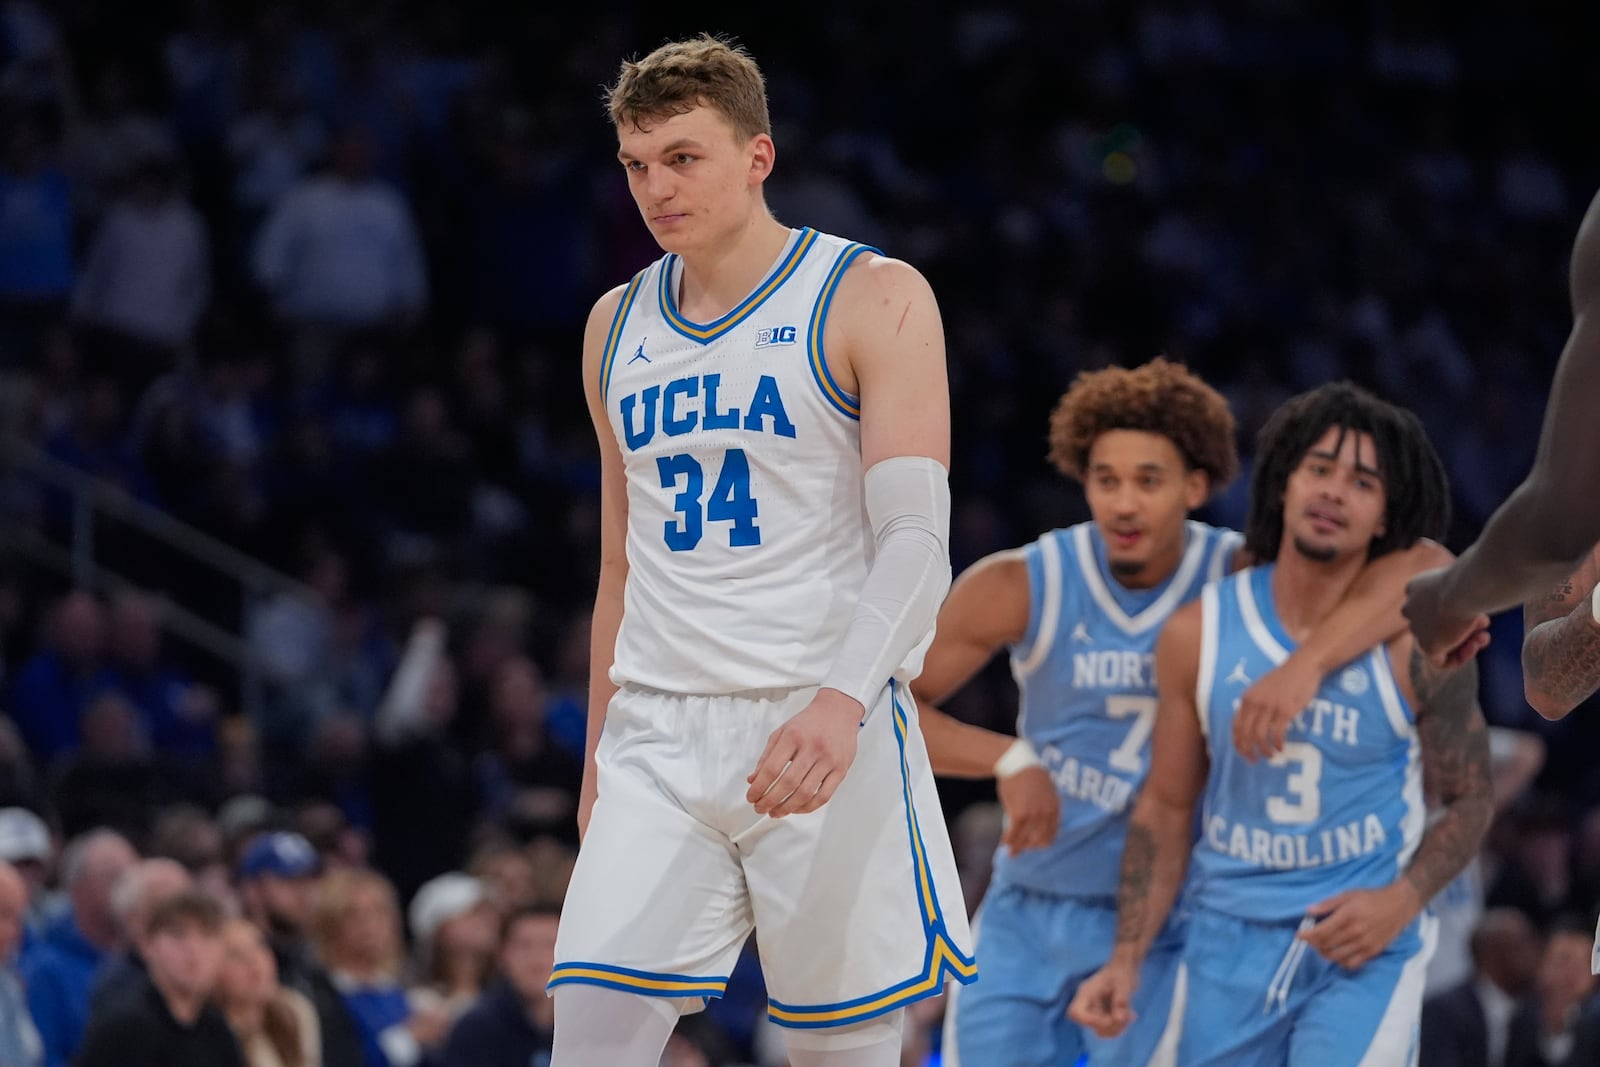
(696, 183)
(1140, 492)
(1334, 503)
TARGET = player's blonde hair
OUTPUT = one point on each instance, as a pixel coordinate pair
(703, 71)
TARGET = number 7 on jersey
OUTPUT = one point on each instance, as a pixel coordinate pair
(1128, 757)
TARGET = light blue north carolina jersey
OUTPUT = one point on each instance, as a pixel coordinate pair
(1085, 669)
(1339, 808)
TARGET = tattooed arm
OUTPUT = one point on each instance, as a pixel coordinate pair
(1354, 926)
(1561, 644)
(1160, 831)
(1455, 762)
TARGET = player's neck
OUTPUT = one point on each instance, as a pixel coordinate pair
(1155, 571)
(1305, 591)
(717, 278)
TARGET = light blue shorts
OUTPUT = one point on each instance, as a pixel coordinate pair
(1035, 949)
(1257, 997)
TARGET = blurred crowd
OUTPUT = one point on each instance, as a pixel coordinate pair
(312, 278)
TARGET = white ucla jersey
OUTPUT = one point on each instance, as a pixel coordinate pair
(748, 540)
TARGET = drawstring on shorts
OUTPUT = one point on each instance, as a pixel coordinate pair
(1283, 977)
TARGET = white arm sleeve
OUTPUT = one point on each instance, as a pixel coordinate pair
(908, 505)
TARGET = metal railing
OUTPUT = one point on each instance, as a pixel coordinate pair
(93, 501)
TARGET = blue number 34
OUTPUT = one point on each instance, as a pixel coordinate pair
(730, 500)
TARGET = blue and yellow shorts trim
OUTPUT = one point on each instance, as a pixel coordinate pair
(645, 983)
(944, 961)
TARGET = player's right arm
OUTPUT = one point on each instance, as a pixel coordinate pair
(613, 547)
(1552, 519)
(986, 610)
(1160, 831)
(1561, 643)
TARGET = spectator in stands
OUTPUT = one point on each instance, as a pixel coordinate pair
(272, 146)
(178, 715)
(513, 1022)
(169, 1020)
(26, 845)
(1470, 1025)
(290, 634)
(105, 143)
(455, 927)
(147, 278)
(357, 931)
(522, 758)
(340, 252)
(55, 685)
(59, 973)
(1559, 1026)
(19, 1039)
(142, 888)
(112, 778)
(36, 268)
(1539, 880)
(93, 441)
(506, 870)
(338, 843)
(186, 834)
(278, 886)
(425, 484)
(275, 1026)
(19, 782)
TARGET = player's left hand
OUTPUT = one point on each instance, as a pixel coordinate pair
(1270, 705)
(1357, 925)
(1447, 640)
(1033, 809)
(806, 758)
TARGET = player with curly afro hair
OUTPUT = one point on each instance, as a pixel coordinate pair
(1159, 397)
(1150, 444)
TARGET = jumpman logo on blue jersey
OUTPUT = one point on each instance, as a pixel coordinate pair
(1238, 676)
(638, 353)
(1080, 632)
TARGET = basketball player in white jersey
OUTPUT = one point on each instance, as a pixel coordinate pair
(773, 416)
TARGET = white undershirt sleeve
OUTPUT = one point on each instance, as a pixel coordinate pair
(908, 506)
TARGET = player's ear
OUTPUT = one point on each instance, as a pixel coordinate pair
(1196, 487)
(763, 154)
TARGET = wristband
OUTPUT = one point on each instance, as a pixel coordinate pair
(1019, 757)
(1594, 603)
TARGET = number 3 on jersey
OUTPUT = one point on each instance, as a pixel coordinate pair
(730, 500)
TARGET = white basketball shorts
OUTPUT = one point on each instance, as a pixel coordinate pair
(857, 908)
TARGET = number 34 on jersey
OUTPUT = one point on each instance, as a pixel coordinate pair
(684, 406)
